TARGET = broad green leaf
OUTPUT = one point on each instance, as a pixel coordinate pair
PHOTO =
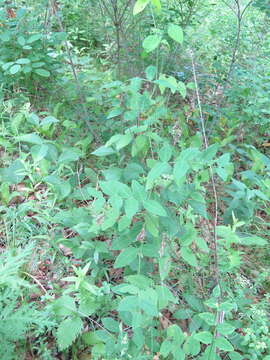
(111, 219)
(138, 191)
(223, 344)
(228, 306)
(236, 356)
(210, 353)
(152, 224)
(166, 348)
(165, 297)
(225, 329)
(131, 207)
(38, 64)
(31, 139)
(164, 267)
(252, 241)
(176, 33)
(208, 317)
(204, 337)
(110, 324)
(15, 173)
(176, 333)
(68, 331)
(151, 42)
(91, 338)
(21, 40)
(154, 207)
(192, 346)
(194, 302)
(48, 120)
(180, 170)
(137, 320)
(98, 350)
(124, 223)
(113, 140)
(7, 65)
(26, 69)
(64, 306)
(148, 300)
(209, 153)
(126, 257)
(216, 291)
(140, 6)
(115, 112)
(181, 87)
(158, 169)
(116, 201)
(183, 314)
(151, 72)
(39, 152)
(14, 69)
(140, 281)
(201, 243)
(165, 153)
(23, 61)
(27, 47)
(189, 256)
(140, 144)
(123, 141)
(5, 36)
(69, 155)
(114, 187)
(119, 140)
(165, 82)
(34, 38)
(156, 4)
(42, 72)
(128, 303)
(103, 151)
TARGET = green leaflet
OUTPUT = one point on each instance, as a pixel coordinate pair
(126, 257)
(189, 256)
(204, 337)
(140, 6)
(151, 42)
(67, 332)
(223, 344)
(176, 33)
(154, 207)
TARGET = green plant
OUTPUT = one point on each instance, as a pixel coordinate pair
(29, 56)
(19, 318)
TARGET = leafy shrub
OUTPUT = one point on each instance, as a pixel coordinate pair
(28, 55)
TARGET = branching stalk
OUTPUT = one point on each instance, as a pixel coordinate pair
(239, 14)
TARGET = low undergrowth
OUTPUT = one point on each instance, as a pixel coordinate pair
(135, 212)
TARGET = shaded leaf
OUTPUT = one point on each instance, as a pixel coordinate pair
(154, 207)
(42, 72)
(68, 331)
(151, 42)
(126, 257)
(204, 337)
(176, 33)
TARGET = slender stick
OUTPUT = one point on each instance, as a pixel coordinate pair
(211, 172)
(239, 14)
(36, 280)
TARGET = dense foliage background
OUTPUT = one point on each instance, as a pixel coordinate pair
(134, 179)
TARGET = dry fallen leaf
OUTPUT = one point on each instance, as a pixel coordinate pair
(165, 322)
(65, 250)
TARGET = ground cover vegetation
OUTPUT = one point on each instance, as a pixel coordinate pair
(134, 179)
